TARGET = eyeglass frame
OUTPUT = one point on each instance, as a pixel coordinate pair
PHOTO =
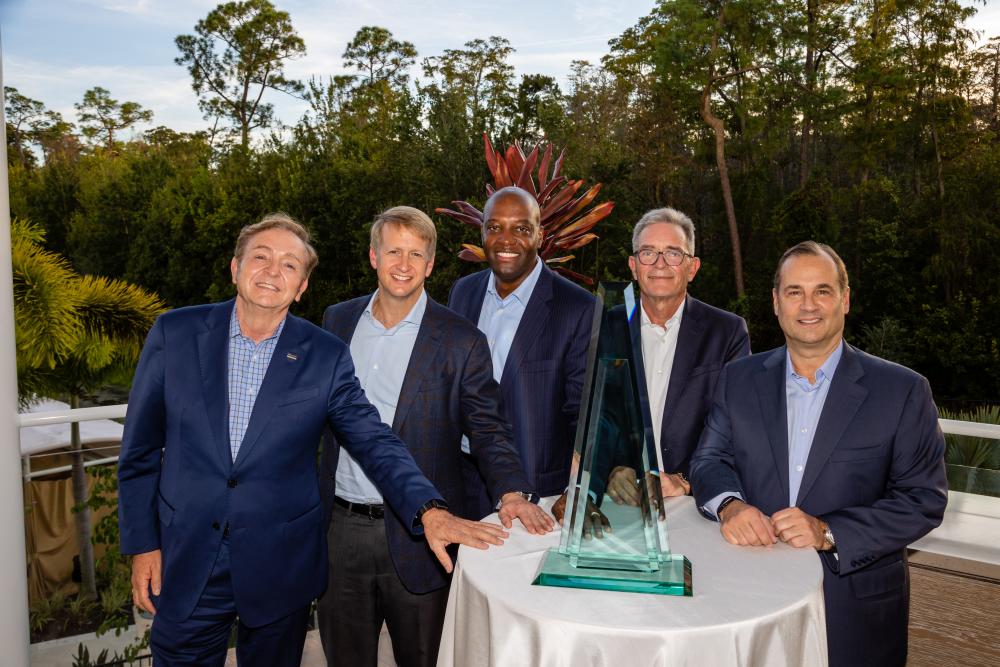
(662, 253)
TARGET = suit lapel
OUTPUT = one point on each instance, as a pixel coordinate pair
(290, 355)
(473, 306)
(689, 339)
(345, 323)
(213, 360)
(842, 403)
(770, 384)
(425, 349)
(534, 319)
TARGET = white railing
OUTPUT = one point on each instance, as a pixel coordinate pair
(968, 531)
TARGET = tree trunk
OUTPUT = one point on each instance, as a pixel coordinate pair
(719, 129)
(88, 582)
(807, 108)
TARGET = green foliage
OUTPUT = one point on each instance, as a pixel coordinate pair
(101, 116)
(237, 53)
(44, 611)
(870, 125)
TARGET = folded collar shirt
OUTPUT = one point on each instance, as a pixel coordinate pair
(381, 356)
(805, 402)
(659, 346)
(248, 362)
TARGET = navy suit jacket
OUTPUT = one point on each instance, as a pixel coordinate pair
(448, 390)
(875, 473)
(542, 379)
(179, 489)
(708, 339)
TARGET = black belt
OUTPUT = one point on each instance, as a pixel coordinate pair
(370, 511)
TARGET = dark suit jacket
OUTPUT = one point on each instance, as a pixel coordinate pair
(179, 488)
(875, 473)
(542, 380)
(448, 390)
(709, 338)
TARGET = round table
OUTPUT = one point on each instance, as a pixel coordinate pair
(751, 606)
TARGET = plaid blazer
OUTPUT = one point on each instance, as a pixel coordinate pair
(448, 390)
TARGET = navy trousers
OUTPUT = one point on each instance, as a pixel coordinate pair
(203, 638)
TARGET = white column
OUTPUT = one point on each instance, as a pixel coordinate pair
(14, 636)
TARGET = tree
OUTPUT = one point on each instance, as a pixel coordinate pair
(22, 115)
(239, 52)
(72, 334)
(378, 56)
(101, 116)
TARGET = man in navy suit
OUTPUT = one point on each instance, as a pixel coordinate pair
(427, 370)
(218, 493)
(681, 343)
(538, 325)
(824, 447)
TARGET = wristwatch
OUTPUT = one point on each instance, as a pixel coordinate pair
(723, 505)
(828, 538)
(530, 497)
(430, 505)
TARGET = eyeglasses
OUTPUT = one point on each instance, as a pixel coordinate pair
(672, 257)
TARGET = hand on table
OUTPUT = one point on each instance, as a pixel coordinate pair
(795, 527)
(623, 487)
(746, 525)
(146, 569)
(442, 528)
(535, 520)
(594, 523)
(673, 484)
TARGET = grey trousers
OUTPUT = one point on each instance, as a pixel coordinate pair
(364, 590)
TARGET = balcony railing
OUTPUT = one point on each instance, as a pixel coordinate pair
(969, 522)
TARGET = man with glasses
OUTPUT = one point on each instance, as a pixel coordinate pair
(685, 343)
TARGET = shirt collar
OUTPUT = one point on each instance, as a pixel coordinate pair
(523, 291)
(415, 316)
(674, 320)
(236, 332)
(824, 372)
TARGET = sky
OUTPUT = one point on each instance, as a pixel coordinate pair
(54, 50)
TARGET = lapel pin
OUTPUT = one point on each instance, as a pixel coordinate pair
(292, 357)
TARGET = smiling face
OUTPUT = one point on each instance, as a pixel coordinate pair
(810, 304)
(402, 262)
(510, 238)
(271, 272)
(660, 281)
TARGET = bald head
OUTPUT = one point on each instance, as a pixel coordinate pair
(514, 193)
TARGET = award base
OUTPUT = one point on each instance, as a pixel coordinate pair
(604, 574)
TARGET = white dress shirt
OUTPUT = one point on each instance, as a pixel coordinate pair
(659, 345)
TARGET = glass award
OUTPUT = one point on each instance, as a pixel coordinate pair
(605, 545)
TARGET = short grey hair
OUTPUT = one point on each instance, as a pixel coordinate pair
(664, 215)
(817, 250)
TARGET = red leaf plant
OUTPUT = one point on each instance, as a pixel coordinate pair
(566, 220)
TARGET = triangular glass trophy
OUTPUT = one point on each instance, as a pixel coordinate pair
(605, 545)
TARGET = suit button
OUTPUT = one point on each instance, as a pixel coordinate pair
(215, 525)
(231, 484)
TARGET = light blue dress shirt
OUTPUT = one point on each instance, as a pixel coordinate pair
(248, 363)
(500, 318)
(804, 401)
(380, 357)
(803, 405)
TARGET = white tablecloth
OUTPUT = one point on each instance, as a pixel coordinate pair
(751, 606)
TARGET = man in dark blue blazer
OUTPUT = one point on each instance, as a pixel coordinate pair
(218, 493)
(680, 345)
(427, 370)
(822, 446)
(538, 325)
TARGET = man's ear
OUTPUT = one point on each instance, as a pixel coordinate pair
(302, 288)
(234, 267)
